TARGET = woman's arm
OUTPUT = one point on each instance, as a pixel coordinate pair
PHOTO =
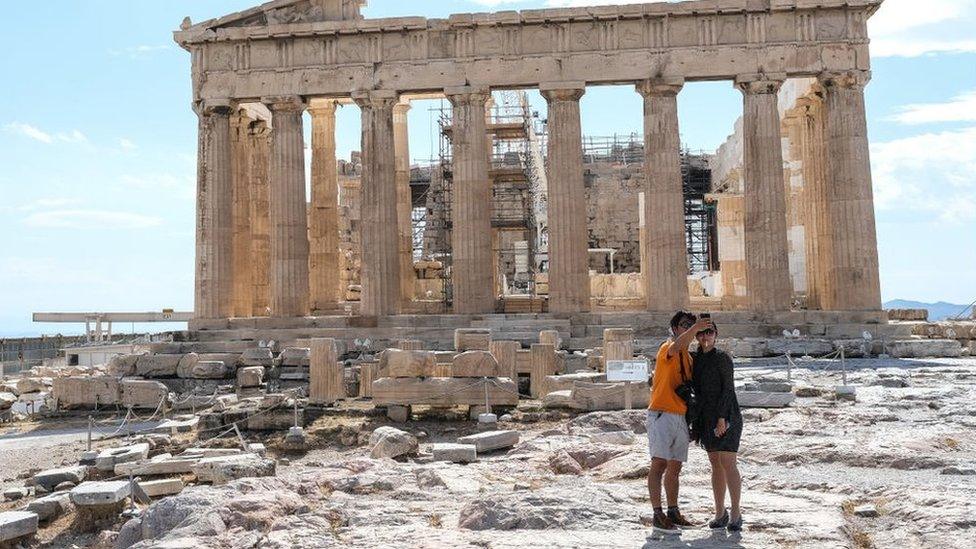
(727, 397)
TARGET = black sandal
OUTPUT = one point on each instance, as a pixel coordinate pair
(720, 523)
(736, 525)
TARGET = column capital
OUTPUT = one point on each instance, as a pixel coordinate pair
(844, 79)
(322, 107)
(402, 107)
(462, 95)
(284, 103)
(760, 83)
(222, 107)
(660, 87)
(562, 91)
(376, 99)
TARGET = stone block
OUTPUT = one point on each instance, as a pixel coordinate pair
(206, 467)
(7, 400)
(472, 339)
(143, 394)
(162, 487)
(171, 466)
(158, 365)
(562, 399)
(398, 414)
(757, 399)
(50, 506)
(748, 347)
(396, 363)
(295, 356)
(799, 347)
(15, 525)
(93, 494)
(454, 453)
(253, 466)
(389, 442)
(185, 367)
(86, 391)
(52, 477)
(211, 369)
(769, 387)
(258, 356)
(250, 376)
(275, 420)
(476, 364)
(108, 459)
(440, 391)
(123, 365)
(922, 348)
(609, 396)
(28, 385)
(551, 337)
(490, 441)
(566, 382)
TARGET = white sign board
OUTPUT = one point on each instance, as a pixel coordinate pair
(627, 370)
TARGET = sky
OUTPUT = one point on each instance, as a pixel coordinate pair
(98, 148)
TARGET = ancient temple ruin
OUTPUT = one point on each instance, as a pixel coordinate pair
(265, 249)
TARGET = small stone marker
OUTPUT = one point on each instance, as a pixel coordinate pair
(455, 453)
(845, 392)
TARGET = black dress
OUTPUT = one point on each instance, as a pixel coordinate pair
(714, 385)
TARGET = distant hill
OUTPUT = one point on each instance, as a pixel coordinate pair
(937, 311)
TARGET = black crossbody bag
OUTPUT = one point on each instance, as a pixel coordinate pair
(686, 392)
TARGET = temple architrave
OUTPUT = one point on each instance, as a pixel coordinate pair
(266, 249)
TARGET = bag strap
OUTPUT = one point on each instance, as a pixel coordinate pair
(681, 367)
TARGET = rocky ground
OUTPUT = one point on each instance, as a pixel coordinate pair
(893, 469)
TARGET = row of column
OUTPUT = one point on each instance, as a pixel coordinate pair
(303, 276)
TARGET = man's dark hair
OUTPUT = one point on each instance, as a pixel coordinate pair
(680, 316)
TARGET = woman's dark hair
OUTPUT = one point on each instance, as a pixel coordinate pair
(680, 316)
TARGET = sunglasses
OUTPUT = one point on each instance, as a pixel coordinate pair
(706, 332)
(686, 324)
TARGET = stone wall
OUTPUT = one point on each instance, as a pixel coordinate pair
(611, 206)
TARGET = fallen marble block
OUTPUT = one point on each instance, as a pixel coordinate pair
(206, 467)
(756, 399)
(51, 506)
(95, 494)
(143, 394)
(108, 459)
(162, 487)
(566, 382)
(52, 477)
(254, 466)
(454, 453)
(919, 348)
(491, 440)
(15, 525)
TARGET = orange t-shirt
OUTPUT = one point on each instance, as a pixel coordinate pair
(667, 377)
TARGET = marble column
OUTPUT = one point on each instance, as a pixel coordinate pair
(380, 259)
(471, 255)
(664, 248)
(816, 226)
(401, 139)
(323, 218)
(854, 272)
(766, 246)
(569, 274)
(288, 209)
(214, 293)
(243, 284)
(260, 151)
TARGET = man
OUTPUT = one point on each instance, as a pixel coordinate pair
(667, 429)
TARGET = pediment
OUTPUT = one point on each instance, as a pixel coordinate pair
(284, 12)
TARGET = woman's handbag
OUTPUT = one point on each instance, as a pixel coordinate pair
(686, 392)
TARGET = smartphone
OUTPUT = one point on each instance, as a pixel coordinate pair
(705, 315)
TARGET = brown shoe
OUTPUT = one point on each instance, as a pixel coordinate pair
(664, 525)
(678, 520)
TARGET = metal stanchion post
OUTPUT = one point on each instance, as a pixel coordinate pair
(91, 423)
(843, 365)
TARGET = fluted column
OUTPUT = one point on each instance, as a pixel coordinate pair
(214, 291)
(816, 226)
(380, 260)
(243, 284)
(569, 275)
(854, 255)
(401, 138)
(471, 256)
(664, 248)
(288, 206)
(323, 222)
(766, 246)
(260, 152)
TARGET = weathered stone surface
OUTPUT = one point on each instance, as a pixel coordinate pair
(455, 453)
(252, 466)
(561, 463)
(123, 365)
(86, 391)
(625, 420)
(143, 394)
(91, 494)
(558, 399)
(566, 382)
(171, 466)
(162, 487)
(398, 414)
(108, 459)
(755, 399)
(257, 356)
(7, 400)
(395, 363)
(439, 391)
(52, 477)
(17, 524)
(14, 494)
(51, 506)
(609, 396)
(275, 420)
(476, 364)
(158, 365)
(130, 534)
(211, 369)
(250, 376)
(389, 442)
(769, 387)
(472, 339)
(27, 385)
(799, 347)
(295, 356)
(186, 365)
(206, 467)
(921, 348)
(491, 440)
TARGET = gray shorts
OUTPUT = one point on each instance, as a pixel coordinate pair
(667, 436)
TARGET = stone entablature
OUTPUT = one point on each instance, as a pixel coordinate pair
(248, 56)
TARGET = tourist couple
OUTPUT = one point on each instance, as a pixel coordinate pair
(703, 384)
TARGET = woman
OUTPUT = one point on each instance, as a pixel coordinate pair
(718, 426)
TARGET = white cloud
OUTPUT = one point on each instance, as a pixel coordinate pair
(909, 28)
(931, 172)
(74, 136)
(90, 219)
(961, 108)
(28, 131)
(46, 203)
(127, 145)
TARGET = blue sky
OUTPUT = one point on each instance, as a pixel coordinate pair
(97, 148)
